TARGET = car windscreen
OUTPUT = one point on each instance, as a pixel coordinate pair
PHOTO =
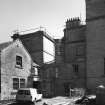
(24, 92)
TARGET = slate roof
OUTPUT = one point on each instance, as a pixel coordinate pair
(4, 45)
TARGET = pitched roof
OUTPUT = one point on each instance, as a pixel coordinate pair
(4, 45)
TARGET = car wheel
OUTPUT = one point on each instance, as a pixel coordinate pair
(34, 101)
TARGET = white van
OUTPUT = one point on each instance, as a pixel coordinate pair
(28, 95)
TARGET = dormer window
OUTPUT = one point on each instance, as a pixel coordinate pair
(18, 61)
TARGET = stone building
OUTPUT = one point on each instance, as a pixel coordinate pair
(84, 49)
(16, 69)
(80, 54)
(55, 77)
(75, 50)
(95, 38)
(39, 44)
(70, 58)
(69, 69)
(41, 47)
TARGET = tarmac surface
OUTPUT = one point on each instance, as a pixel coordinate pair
(47, 101)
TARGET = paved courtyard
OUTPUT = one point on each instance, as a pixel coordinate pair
(50, 101)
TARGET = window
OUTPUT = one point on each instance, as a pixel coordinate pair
(58, 50)
(20, 92)
(80, 50)
(24, 92)
(18, 84)
(75, 68)
(36, 71)
(22, 83)
(19, 61)
(56, 71)
(15, 83)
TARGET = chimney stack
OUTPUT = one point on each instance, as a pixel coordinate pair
(73, 23)
(15, 35)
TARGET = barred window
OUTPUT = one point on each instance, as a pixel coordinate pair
(15, 83)
(75, 68)
(18, 60)
(22, 83)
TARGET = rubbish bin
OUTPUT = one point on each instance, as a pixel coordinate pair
(100, 95)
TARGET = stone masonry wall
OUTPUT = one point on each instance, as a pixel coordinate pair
(95, 53)
(9, 70)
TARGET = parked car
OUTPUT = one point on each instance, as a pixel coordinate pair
(28, 95)
(88, 99)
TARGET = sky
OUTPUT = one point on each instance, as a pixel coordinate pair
(24, 15)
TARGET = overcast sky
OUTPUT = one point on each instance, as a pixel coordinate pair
(30, 14)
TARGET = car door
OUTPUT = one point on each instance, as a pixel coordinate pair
(34, 94)
(38, 95)
(27, 95)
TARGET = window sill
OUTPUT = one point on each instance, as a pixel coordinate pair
(16, 66)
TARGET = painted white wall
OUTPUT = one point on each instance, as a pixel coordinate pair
(49, 50)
